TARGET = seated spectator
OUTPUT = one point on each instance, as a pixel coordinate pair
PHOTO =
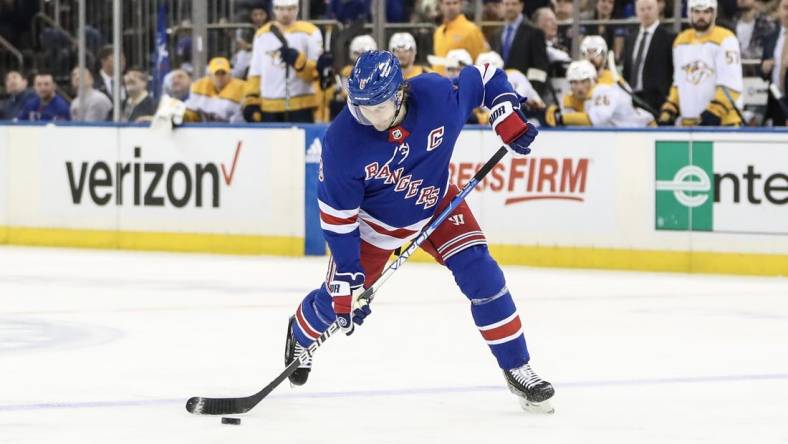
(47, 105)
(613, 35)
(216, 97)
(258, 16)
(564, 10)
(752, 28)
(178, 84)
(139, 106)
(18, 94)
(97, 106)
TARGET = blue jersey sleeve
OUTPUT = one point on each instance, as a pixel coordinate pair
(339, 196)
(480, 85)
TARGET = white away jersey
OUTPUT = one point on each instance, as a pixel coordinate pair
(701, 64)
(268, 65)
(611, 106)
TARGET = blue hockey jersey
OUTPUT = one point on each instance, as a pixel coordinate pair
(383, 186)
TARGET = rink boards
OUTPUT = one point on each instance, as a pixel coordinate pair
(713, 201)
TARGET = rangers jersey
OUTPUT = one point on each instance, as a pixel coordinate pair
(266, 81)
(383, 187)
(703, 66)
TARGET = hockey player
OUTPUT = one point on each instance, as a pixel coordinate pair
(594, 49)
(707, 76)
(383, 176)
(283, 67)
(403, 45)
(582, 77)
(608, 105)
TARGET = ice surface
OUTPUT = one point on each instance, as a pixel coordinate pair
(105, 347)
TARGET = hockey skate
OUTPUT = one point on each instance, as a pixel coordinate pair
(293, 349)
(533, 391)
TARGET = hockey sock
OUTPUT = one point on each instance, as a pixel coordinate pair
(481, 280)
(313, 316)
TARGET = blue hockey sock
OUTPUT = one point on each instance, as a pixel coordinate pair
(481, 280)
(313, 316)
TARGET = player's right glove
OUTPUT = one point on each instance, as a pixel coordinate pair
(667, 115)
(509, 122)
(345, 290)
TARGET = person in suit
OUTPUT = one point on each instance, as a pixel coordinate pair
(106, 67)
(774, 64)
(522, 46)
(648, 56)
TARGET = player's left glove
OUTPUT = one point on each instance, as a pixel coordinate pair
(345, 290)
(509, 122)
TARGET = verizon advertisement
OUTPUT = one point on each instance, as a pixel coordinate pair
(566, 179)
(234, 181)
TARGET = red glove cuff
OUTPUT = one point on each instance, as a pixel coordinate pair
(507, 122)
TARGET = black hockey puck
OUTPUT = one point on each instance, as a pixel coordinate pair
(233, 421)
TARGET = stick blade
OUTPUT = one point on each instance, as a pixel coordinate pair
(216, 406)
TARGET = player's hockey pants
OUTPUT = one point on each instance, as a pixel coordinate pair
(459, 244)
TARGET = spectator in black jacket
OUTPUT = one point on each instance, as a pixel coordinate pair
(522, 46)
(139, 106)
(18, 94)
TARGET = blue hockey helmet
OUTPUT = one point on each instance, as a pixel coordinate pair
(376, 77)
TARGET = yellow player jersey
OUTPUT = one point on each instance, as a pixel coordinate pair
(266, 78)
(456, 34)
(570, 103)
(703, 65)
(206, 104)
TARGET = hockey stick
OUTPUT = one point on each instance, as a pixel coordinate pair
(733, 104)
(233, 406)
(640, 103)
(278, 34)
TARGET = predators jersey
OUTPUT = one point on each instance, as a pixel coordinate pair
(611, 106)
(703, 65)
(570, 103)
(206, 104)
(266, 79)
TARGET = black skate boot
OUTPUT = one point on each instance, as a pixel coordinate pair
(533, 391)
(293, 349)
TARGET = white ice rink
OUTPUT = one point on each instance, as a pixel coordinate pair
(105, 347)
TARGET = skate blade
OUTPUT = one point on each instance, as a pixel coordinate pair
(543, 408)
